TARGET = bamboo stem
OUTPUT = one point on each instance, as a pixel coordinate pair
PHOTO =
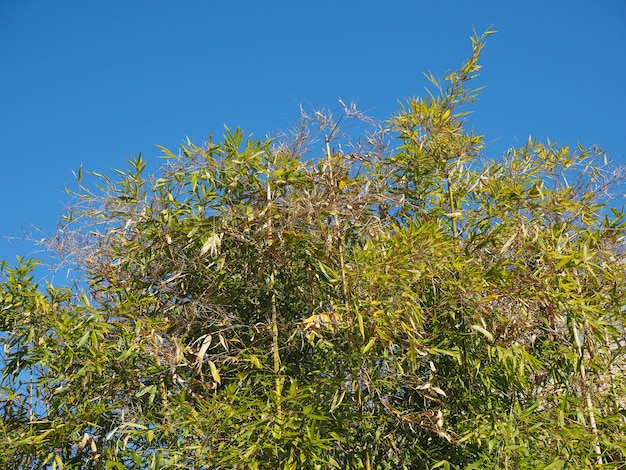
(452, 207)
(342, 263)
(276, 354)
(274, 319)
(329, 158)
(588, 400)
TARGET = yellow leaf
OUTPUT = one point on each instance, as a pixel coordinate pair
(369, 345)
(214, 373)
(311, 319)
(446, 115)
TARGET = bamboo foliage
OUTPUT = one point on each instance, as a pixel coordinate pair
(351, 294)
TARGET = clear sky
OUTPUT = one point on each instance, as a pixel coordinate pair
(94, 82)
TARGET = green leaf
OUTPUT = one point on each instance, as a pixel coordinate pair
(563, 262)
(256, 361)
(327, 273)
(556, 465)
(442, 464)
(476, 465)
(147, 389)
(359, 318)
(84, 338)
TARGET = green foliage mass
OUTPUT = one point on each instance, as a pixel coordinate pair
(348, 295)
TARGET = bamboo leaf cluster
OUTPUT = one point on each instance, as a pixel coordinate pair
(350, 294)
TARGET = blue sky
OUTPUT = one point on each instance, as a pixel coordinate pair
(93, 82)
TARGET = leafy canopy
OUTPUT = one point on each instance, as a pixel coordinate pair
(351, 294)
